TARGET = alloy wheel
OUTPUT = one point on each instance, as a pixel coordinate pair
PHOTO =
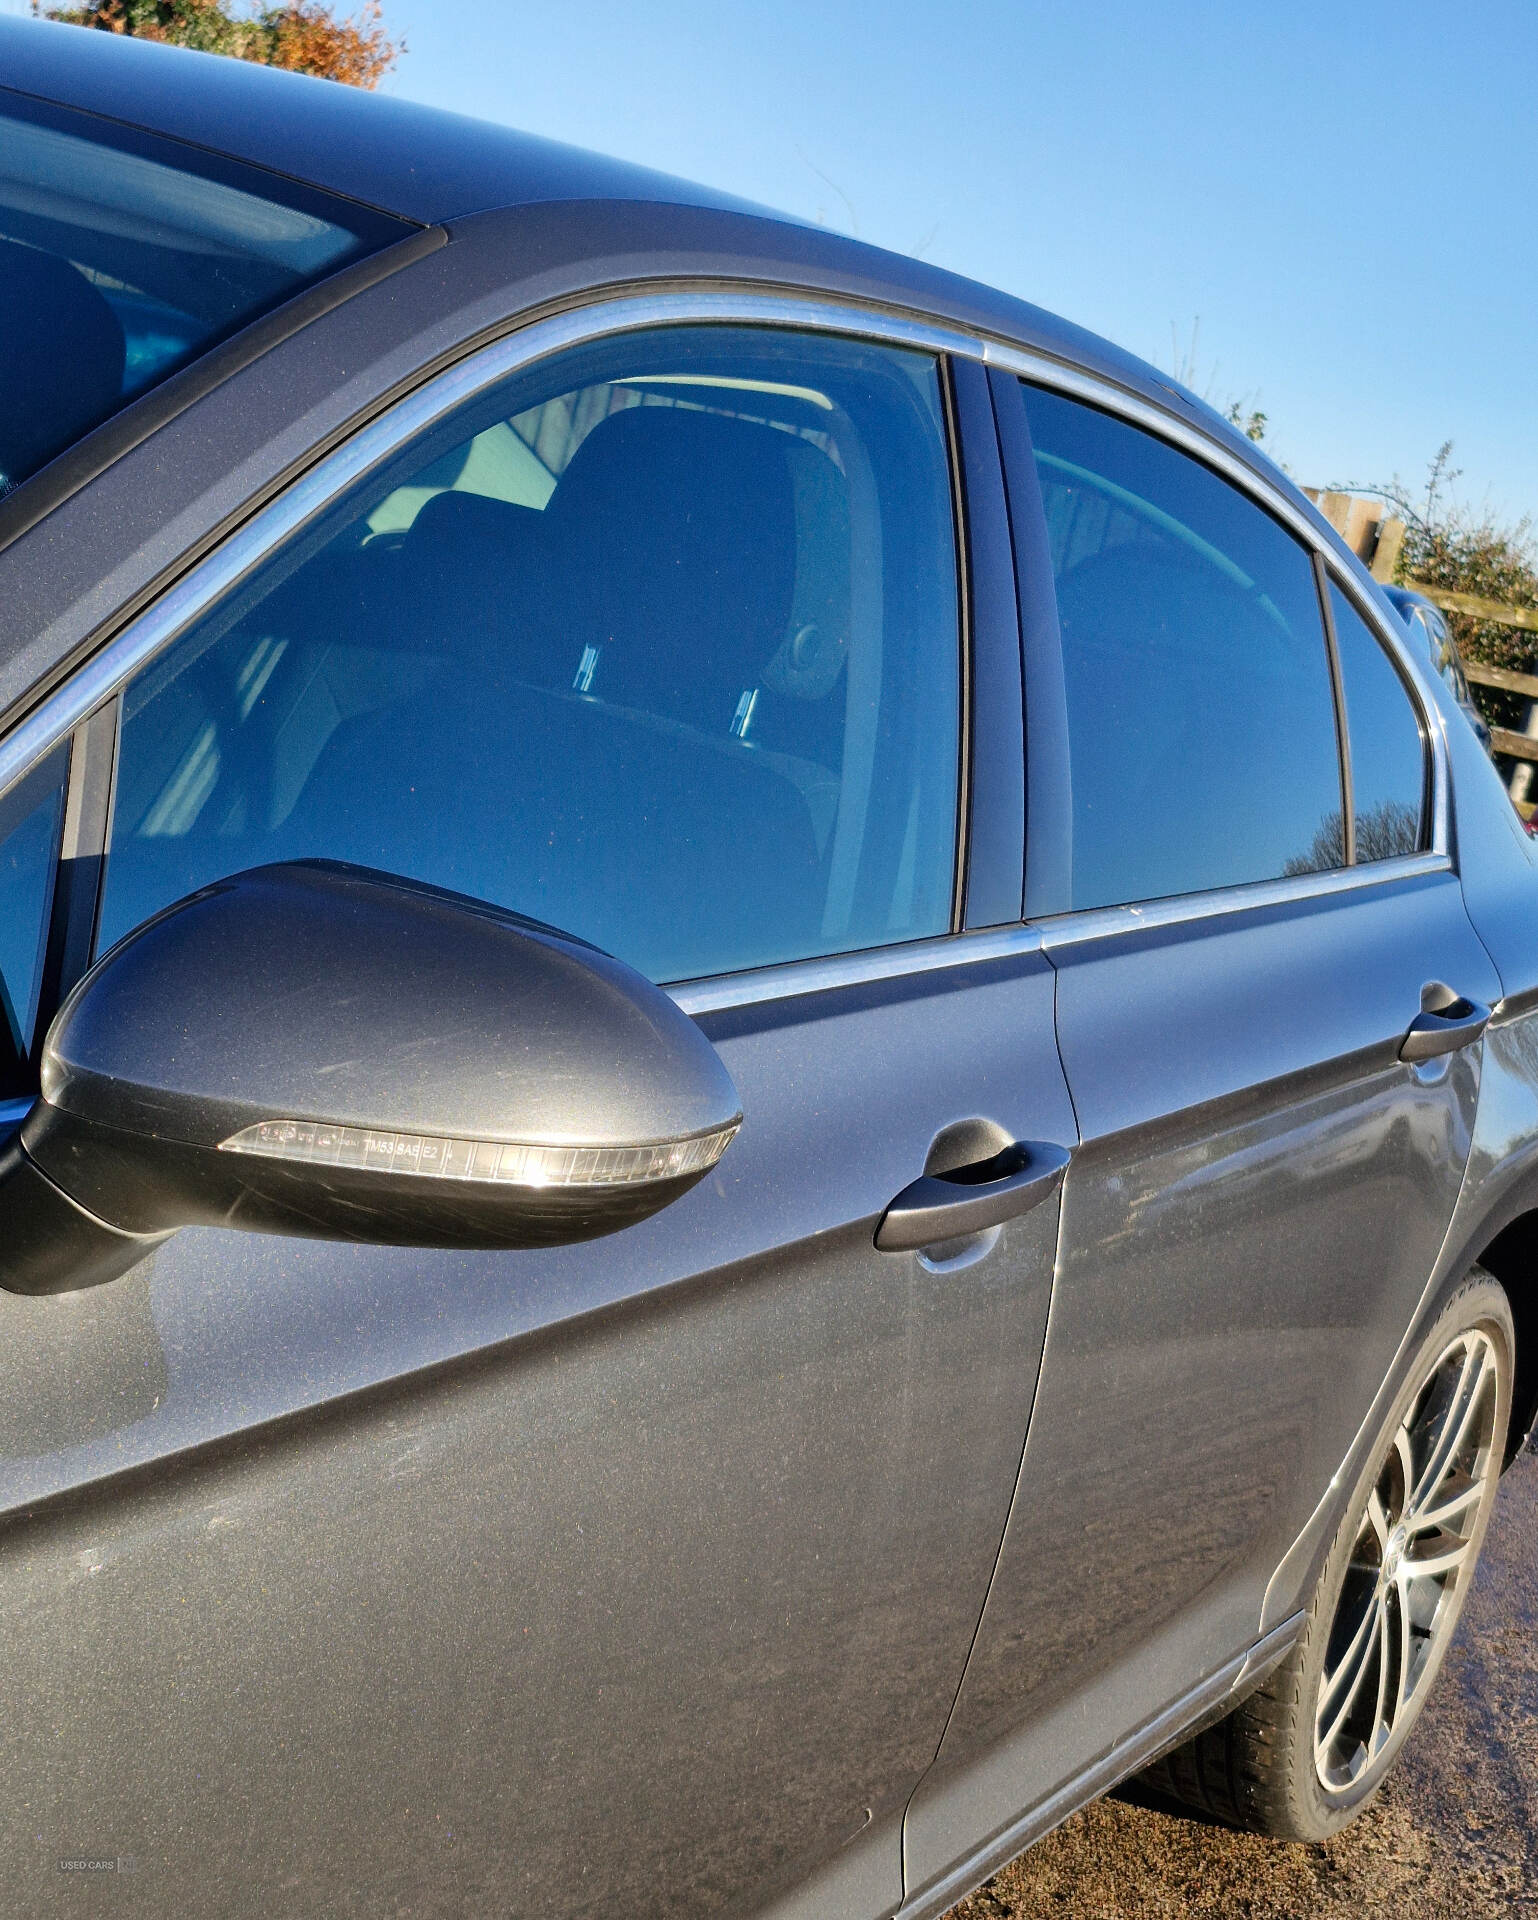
(1416, 1544)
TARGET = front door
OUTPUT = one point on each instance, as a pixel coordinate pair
(629, 1577)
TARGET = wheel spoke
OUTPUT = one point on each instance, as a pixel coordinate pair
(1438, 1451)
(1378, 1520)
(1406, 1463)
(1435, 1519)
(1406, 1643)
(1455, 1425)
(1434, 1566)
(1379, 1725)
(1353, 1667)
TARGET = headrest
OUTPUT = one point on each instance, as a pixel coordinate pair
(61, 358)
(456, 521)
(665, 508)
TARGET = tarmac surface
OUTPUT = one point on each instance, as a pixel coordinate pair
(1452, 1836)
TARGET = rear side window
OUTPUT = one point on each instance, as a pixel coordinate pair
(1388, 754)
(31, 815)
(123, 256)
(1201, 717)
(657, 643)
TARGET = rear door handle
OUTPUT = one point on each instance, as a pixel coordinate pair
(948, 1206)
(1444, 1029)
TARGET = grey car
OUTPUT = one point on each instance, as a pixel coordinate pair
(770, 1072)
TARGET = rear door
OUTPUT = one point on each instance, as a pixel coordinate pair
(1247, 908)
(635, 1576)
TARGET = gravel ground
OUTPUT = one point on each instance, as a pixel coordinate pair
(1453, 1836)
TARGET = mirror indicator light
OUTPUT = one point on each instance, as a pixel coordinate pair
(312, 1143)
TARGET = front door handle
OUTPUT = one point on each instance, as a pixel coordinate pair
(948, 1206)
(1444, 1028)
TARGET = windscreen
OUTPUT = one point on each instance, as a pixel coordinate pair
(124, 255)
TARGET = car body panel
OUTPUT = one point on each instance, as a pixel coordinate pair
(1428, 629)
(694, 1523)
(1498, 864)
(1245, 1122)
(617, 1577)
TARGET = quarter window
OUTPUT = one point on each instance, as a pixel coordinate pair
(1201, 720)
(1388, 754)
(656, 643)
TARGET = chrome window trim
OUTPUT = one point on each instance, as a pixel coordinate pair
(1138, 412)
(1062, 931)
(104, 674)
(1417, 674)
(824, 974)
(1132, 407)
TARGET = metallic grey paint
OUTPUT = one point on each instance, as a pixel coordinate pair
(1245, 1122)
(644, 1577)
(657, 1532)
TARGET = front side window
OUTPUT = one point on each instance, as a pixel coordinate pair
(31, 815)
(1388, 755)
(123, 256)
(656, 643)
(1201, 718)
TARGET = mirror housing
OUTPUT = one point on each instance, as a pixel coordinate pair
(321, 1050)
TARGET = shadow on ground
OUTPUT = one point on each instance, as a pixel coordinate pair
(1453, 1836)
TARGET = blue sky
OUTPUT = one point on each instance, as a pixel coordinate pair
(1344, 198)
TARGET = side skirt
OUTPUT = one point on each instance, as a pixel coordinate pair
(1204, 1704)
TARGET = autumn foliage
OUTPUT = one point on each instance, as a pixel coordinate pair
(304, 36)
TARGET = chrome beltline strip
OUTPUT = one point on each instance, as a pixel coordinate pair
(853, 969)
(1067, 930)
(1055, 935)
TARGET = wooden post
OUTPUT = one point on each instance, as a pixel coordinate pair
(1370, 533)
(1386, 550)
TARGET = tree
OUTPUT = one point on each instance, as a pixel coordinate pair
(1185, 363)
(1252, 424)
(1445, 545)
(304, 36)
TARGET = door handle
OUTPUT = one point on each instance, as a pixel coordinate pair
(1443, 1029)
(948, 1206)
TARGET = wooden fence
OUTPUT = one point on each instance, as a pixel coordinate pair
(1518, 746)
(1376, 537)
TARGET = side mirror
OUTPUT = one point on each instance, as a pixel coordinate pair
(320, 1050)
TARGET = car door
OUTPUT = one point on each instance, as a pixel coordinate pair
(632, 1576)
(1248, 902)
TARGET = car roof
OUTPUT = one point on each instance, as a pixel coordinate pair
(418, 162)
(438, 168)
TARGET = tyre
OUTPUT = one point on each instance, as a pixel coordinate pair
(1304, 1754)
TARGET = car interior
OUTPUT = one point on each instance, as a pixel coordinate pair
(642, 700)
